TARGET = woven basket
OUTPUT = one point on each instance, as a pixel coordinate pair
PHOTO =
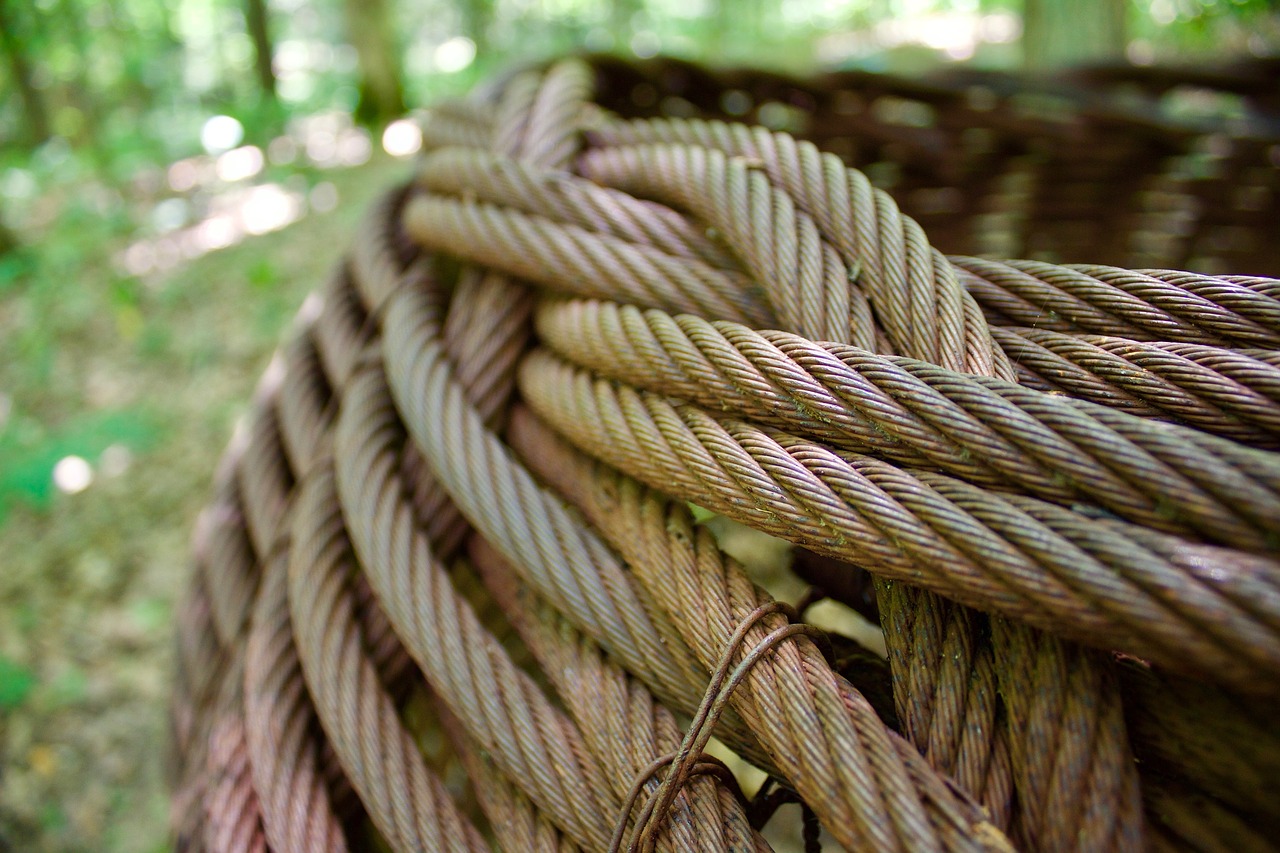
(466, 580)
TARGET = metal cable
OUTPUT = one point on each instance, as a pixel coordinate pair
(867, 786)
(501, 708)
(621, 721)
(1225, 392)
(733, 316)
(1019, 556)
(408, 804)
(984, 430)
(717, 169)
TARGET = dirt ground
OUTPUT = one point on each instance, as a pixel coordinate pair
(88, 584)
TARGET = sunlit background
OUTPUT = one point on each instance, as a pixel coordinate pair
(176, 176)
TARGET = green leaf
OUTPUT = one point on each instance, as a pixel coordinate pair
(16, 683)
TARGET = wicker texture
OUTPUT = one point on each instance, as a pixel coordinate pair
(450, 592)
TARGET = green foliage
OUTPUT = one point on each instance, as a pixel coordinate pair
(29, 452)
(16, 683)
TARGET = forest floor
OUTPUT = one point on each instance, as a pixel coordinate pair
(147, 395)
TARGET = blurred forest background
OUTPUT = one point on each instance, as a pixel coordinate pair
(176, 175)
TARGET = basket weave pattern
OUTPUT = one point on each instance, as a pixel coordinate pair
(450, 591)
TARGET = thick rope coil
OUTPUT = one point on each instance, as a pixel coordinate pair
(1048, 468)
(406, 801)
(915, 292)
(623, 724)
(1026, 558)
(821, 710)
(296, 806)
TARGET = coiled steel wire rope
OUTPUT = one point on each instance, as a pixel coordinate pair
(730, 316)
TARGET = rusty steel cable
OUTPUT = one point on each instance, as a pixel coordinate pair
(296, 806)
(428, 613)
(502, 709)
(607, 292)
(983, 430)
(812, 706)
(1032, 560)
(1231, 393)
(945, 692)
(619, 718)
(516, 822)
(830, 311)
(407, 802)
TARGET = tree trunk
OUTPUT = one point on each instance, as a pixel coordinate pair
(23, 77)
(1058, 33)
(381, 90)
(8, 240)
(84, 92)
(621, 15)
(477, 17)
(255, 17)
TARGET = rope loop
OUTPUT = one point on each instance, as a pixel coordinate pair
(946, 352)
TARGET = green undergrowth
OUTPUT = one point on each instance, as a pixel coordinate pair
(141, 378)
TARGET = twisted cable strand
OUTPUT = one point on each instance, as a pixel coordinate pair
(914, 290)
(1146, 305)
(406, 802)
(1013, 555)
(1225, 392)
(208, 809)
(487, 325)
(553, 114)
(497, 703)
(377, 269)
(297, 813)
(620, 720)
(867, 786)
(568, 199)
(305, 392)
(804, 278)
(233, 818)
(532, 529)
(331, 325)
(983, 430)
(488, 388)
(201, 662)
(516, 822)
(1077, 782)
(225, 558)
(576, 260)
(263, 473)
(945, 692)
(198, 663)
